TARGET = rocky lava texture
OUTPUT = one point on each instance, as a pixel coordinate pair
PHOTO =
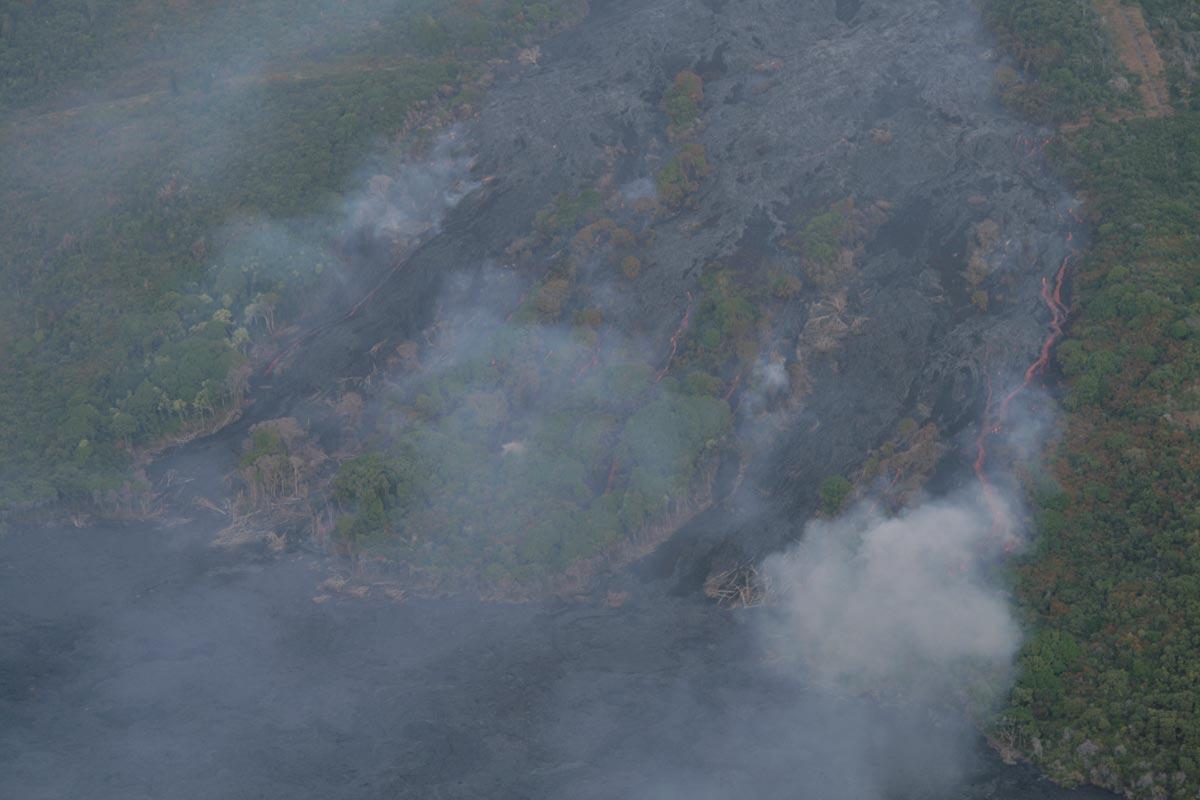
(805, 105)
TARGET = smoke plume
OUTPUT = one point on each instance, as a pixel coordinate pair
(903, 602)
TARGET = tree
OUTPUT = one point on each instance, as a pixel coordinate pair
(834, 491)
(374, 490)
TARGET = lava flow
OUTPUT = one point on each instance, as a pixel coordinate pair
(993, 424)
(591, 363)
(308, 335)
(683, 323)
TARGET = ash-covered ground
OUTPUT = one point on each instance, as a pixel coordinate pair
(140, 662)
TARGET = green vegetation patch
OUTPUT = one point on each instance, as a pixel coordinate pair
(681, 103)
(679, 180)
(1118, 565)
(567, 213)
(835, 491)
(528, 454)
(170, 201)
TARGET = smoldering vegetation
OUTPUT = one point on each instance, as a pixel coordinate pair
(406, 199)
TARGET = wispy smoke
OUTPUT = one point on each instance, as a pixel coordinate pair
(639, 189)
(405, 199)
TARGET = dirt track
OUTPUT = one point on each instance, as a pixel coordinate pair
(230, 83)
(1138, 54)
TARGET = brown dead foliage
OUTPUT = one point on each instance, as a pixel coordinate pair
(905, 463)
(983, 245)
(742, 586)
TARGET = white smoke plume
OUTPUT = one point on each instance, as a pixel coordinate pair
(901, 603)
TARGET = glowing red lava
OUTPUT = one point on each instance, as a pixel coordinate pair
(683, 323)
(520, 303)
(612, 475)
(274, 362)
(1032, 147)
(590, 365)
(994, 423)
(733, 387)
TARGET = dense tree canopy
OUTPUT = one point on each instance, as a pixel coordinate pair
(1109, 685)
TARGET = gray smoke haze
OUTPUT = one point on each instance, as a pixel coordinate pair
(853, 684)
(693, 736)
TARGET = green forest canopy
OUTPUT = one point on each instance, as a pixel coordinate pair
(1109, 682)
